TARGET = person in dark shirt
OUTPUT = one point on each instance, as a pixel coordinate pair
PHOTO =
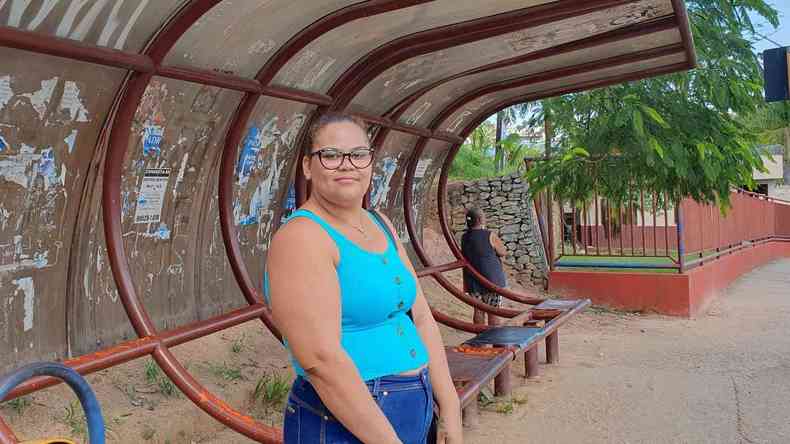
(483, 249)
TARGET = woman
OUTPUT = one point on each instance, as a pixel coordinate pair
(483, 248)
(368, 355)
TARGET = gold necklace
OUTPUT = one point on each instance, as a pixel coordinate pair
(360, 229)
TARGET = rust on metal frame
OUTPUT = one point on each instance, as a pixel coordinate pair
(137, 348)
(567, 71)
(482, 115)
(684, 25)
(71, 49)
(336, 19)
(244, 112)
(401, 49)
(617, 35)
(7, 435)
(427, 271)
(111, 211)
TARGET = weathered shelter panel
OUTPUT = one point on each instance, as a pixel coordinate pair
(150, 148)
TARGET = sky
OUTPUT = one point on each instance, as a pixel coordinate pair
(780, 35)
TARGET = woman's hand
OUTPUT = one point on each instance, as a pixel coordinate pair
(449, 429)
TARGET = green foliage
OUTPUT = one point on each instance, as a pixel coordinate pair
(271, 390)
(680, 134)
(475, 160)
(74, 418)
(226, 372)
(154, 376)
(18, 405)
(238, 344)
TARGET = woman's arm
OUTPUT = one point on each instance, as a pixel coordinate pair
(498, 245)
(444, 390)
(301, 261)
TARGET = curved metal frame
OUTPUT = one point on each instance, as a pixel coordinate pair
(144, 66)
(679, 19)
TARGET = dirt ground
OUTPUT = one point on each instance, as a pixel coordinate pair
(623, 378)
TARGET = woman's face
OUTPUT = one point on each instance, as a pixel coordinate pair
(347, 184)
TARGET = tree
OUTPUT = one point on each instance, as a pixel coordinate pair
(505, 119)
(680, 134)
(474, 159)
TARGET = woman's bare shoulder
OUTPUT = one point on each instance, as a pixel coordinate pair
(301, 234)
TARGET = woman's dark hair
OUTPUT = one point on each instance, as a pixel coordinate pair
(326, 119)
(473, 217)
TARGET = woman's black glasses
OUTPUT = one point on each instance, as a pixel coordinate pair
(332, 158)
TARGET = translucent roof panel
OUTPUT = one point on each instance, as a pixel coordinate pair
(319, 65)
(409, 76)
(240, 36)
(426, 108)
(470, 111)
(119, 24)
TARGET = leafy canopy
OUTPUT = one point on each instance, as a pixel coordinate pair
(678, 134)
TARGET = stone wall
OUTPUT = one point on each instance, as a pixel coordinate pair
(511, 214)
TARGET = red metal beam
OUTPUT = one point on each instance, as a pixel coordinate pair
(6, 434)
(409, 129)
(401, 49)
(325, 24)
(132, 94)
(72, 49)
(247, 106)
(683, 23)
(617, 35)
(428, 271)
(137, 348)
(560, 73)
(482, 115)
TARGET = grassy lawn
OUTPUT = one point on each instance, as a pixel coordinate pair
(620, 263)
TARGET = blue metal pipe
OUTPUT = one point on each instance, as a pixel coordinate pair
(90, 405)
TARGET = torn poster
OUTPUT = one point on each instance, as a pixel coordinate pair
(422, 168)
(151, 196)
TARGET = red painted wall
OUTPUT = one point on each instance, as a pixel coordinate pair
(686, 295)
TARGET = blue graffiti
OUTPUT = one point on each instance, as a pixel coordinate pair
(3, 144)
(252, 219)
(290, 199)
(163, 232)
(47, 165)
(152, 140)
(380, 185)
(249, 152)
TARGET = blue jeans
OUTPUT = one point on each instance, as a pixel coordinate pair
(407, 401)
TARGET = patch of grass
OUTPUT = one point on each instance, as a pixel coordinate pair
(226, 372)
(237, 346)
(271, 390)
(18, 405)
(600, 309)
(154, 376)
(504, 407)
(148, 433)
(74, 419)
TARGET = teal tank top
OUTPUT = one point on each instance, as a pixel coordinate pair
(376, 292)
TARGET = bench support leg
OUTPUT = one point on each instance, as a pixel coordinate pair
(502, 383)
(553, 348)
(471, 414)
(532, 368)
